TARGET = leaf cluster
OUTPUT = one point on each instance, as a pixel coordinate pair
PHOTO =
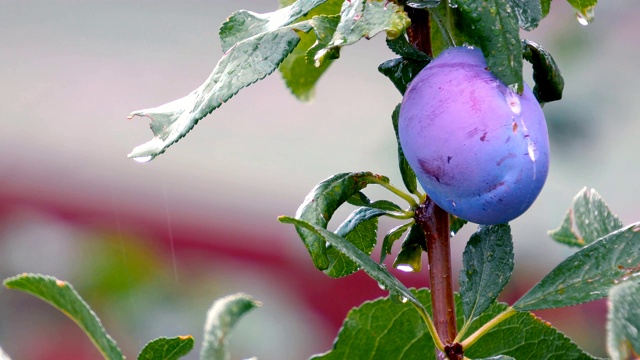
(221, 319)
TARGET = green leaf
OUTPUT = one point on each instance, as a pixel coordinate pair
(64, 297)
(400, 46)
(410, 255)
(221, 319)
(522, 336)
(546, 6)
(320, 204)
(388, 330)
(376, 271)
(383, 329)
(448, 28)
(242, 65)
(167, 348)
(455, 224)
(529, 13)
(300, 76)
(546, 73)
(592, 217)
(243, 24)
(408, 175)
(298, 69)
(589, 273)
(623, 325)
(487, 266)
(493, 24)
(401, 71)
(324, 27)
(364, 19)
(359, 229)
(566, 234)
(391, 237)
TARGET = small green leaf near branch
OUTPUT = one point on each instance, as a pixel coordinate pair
(243, 24)
(298, 69)
(364, 19)
(221, 319)
(549, 82)
(320, 204)
(588, 220)
(64, 297)
(167, 348)
(487, 267)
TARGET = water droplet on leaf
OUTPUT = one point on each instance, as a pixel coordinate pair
(513, 101)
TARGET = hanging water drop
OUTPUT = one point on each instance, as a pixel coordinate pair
(397, 297)
(382, 286)
(586, 16)
(405, 267)
(143, 159)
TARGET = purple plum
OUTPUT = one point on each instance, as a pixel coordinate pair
(479, 149)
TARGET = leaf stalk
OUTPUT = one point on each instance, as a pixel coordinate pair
(408, 198)
(487, 327)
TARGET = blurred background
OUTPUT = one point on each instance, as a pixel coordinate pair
(150, 246)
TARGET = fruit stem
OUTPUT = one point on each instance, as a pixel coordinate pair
(435, 223)
(419, 32)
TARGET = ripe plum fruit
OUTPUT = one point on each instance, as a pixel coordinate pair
(479, 149)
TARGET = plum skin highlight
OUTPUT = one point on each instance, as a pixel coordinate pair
(479, 150)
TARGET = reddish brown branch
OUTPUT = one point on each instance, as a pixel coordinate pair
(435, 224)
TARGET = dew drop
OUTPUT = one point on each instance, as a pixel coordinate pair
(405, 268)
(532, 149)
(586, 16)
(453, 233)
(423, 4)
(382, 287)
(513, 101)
(143, 159)
(403, 299)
